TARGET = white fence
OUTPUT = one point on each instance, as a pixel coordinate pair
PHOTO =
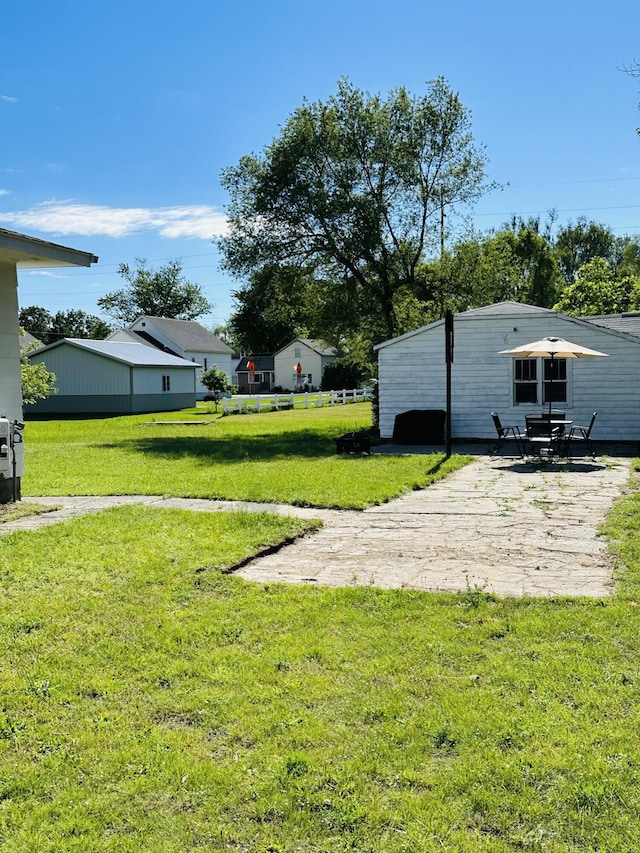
(308, 400)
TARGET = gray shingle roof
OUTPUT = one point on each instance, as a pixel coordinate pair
(628, 322)
(261, 363)
(507, 307)
(188, 334)
(28, 340)
(318, 346)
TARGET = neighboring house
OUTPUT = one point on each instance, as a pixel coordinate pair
(27, 340)
(19, 251)
(312, 356)
(254, 374)
(114, 377)
(412, 372)
(184, 338)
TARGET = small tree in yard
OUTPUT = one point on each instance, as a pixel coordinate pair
(37, 381)
(215, 379)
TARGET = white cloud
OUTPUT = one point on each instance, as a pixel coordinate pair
(89, 220)
(4, 192)
(8, 99)
(44, 274)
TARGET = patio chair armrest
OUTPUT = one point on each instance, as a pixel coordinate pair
(579, 431)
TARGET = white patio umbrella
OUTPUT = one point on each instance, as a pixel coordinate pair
(552, 348)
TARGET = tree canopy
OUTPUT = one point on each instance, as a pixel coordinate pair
(598, 290)
(215, 379)
(516, 263)
(158, 293)
(354, 193)
(74, 323)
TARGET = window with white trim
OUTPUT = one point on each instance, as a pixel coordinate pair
(166, 382)
(525, 380)
(537, 387)
(555, 380)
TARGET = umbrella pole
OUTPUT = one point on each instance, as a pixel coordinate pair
(550, 382)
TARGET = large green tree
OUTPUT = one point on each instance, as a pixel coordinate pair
(516, 263)
(599, 290)
(578, 243)
(356, 188)
(159, 293)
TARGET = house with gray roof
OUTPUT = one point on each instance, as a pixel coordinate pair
(183, 338)
(113, 377)
(28, 341)
(412, 372)
(311, 355)
(254, 374)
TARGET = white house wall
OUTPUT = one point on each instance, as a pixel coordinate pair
(10, 380)
(412, 375)
(207, 360)
(221, 360)
(284, 361)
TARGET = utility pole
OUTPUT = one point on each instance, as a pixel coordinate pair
(448, 344)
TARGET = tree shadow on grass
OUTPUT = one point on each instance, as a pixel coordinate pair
(265, 448)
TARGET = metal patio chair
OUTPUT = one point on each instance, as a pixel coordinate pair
(507, 435)
(542, 435)
(581, 434)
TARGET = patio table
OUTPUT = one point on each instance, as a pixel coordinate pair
(546, 434)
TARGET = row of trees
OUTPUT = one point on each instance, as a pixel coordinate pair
(352, 226)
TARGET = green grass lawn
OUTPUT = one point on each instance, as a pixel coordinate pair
(286, 456)
(151, 701)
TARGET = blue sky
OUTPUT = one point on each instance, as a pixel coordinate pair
(117, 118)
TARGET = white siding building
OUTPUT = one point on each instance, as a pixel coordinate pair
(412, 372)
(312, 356)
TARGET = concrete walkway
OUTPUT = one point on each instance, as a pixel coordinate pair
(500, 525)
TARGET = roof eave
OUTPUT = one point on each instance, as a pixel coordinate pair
(31, 252)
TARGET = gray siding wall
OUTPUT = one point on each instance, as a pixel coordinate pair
(412, 375)
(120, 404)
(85, 373)
(148, 380)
